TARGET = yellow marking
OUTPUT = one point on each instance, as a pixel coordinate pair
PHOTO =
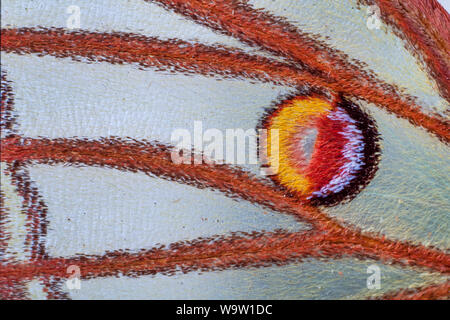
(296, 114)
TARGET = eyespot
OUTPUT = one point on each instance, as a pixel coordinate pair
(327, 151)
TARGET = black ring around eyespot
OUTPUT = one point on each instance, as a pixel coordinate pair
(371, 153)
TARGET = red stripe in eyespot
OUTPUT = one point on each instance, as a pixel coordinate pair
(327, 157)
